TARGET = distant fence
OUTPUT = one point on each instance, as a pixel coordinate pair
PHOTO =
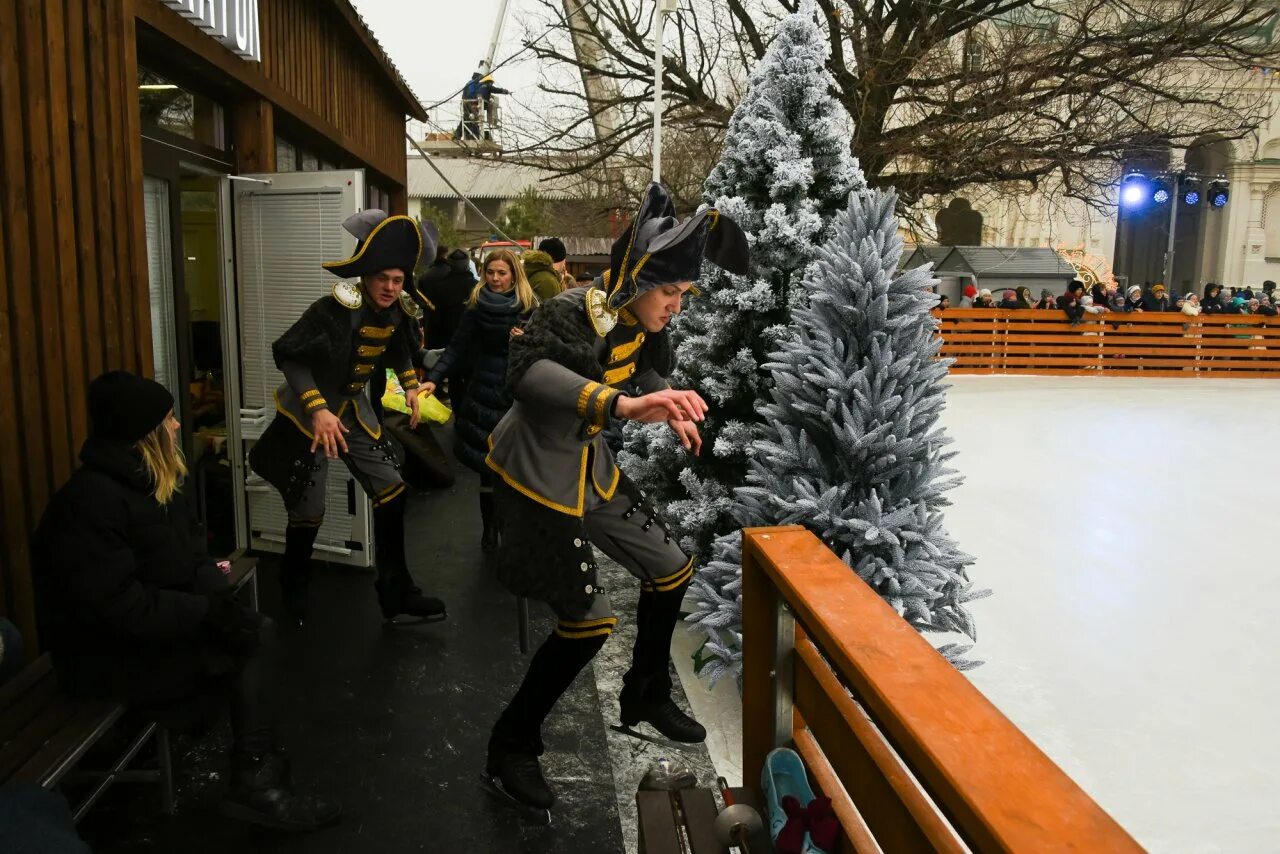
(1146, 344)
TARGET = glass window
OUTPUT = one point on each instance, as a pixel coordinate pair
(308, 161)
(286, 156)
(165, 105)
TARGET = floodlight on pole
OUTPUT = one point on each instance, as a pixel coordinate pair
(1218, 194)
(1135, 190)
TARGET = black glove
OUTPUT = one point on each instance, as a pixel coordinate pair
(232, 624)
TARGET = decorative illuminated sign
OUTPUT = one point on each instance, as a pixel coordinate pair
(233, 23)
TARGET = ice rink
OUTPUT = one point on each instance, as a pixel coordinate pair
(1128, 530)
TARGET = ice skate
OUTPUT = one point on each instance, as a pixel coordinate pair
(665, 717)
(516, 776)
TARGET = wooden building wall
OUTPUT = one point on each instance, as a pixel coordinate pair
(73, 274)
(313, 54)
(73, 287)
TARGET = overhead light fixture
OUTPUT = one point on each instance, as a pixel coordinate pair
(1160, 193)
(157, 87)
(1218, 194)
(1135, 190)
(1191, 191)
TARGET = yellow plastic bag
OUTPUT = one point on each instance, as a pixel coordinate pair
(430, 409)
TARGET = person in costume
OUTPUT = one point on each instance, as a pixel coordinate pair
(559, 491)
(134, 610)
(496, 309)
(323, 412)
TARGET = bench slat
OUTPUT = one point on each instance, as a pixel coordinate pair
(81, 731)
(16, 751)
(700, 811)
(41, 668)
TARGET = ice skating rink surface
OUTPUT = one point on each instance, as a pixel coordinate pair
(1129, 531)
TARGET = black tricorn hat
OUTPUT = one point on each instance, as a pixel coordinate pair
(658, 249)
(383, 243)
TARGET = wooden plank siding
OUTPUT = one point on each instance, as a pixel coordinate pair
(71, 205)
(74, 299)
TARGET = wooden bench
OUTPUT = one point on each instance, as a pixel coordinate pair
(44, 732)
(696, 834)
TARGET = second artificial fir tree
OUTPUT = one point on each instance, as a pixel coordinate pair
(852, 446)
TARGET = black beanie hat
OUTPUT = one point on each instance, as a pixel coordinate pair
(125, 407)
(554, 247)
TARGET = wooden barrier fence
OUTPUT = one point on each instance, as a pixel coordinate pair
(1145, 344)
(913, 757)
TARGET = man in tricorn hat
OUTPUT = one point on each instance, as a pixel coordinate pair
(323, 411)
(560, 492)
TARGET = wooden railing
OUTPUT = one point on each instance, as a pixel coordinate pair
(1145, 344)
(913, 757)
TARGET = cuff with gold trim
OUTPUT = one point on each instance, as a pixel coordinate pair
(311, 401)
(408, 379)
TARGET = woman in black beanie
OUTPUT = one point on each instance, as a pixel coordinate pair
(134, 610)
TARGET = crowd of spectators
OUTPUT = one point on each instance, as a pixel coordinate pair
(1077, 302)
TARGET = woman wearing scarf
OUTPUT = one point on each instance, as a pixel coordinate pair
(497, 308)
(1024, 297)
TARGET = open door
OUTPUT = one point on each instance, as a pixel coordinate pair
(286, 225)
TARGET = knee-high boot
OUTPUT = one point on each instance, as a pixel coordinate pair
(516, 742)
(397, 594)
(295, 569)
(489, 539)
(646, 687)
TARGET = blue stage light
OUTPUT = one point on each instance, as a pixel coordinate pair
(1219, 194)
(1135, 191)
(1191, 198)
(1160, 196)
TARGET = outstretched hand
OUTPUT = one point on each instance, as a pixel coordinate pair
(666, 405)
(687, 433)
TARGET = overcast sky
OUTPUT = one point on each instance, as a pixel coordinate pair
(436, 44)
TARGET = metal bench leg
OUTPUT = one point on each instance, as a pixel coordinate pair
(165, 757)
(522, 623)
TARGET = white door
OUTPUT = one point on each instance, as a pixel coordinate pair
(284, 231)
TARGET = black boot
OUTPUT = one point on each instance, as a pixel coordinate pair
(397, 594)
(516, 742)
(646, 687)
(295, 570)
(516, 769)
(489, 539)
(261, 794)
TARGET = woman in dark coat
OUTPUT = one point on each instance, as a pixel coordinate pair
(1212, 301)
(498, 307)
(133, 610)
(1069, 302)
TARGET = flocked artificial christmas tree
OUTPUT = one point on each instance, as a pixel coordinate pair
(851, 447)
(785, 172)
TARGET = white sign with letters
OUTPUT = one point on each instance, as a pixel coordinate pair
(234, 23)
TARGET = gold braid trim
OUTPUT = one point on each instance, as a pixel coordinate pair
(584, 396)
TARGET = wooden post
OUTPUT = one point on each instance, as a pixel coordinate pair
(255, 136)
(766, 658)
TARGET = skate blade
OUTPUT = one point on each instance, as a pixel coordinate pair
(535, 814)
(660, 740)
(398, 622)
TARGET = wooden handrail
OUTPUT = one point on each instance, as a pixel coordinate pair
(989, 788)
(1142, 344)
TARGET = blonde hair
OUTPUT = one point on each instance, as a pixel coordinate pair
(524, 291)
(164, 461)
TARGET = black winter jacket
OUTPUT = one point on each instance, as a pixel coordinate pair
(478, 352)
(124, 585)
(443, 292)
